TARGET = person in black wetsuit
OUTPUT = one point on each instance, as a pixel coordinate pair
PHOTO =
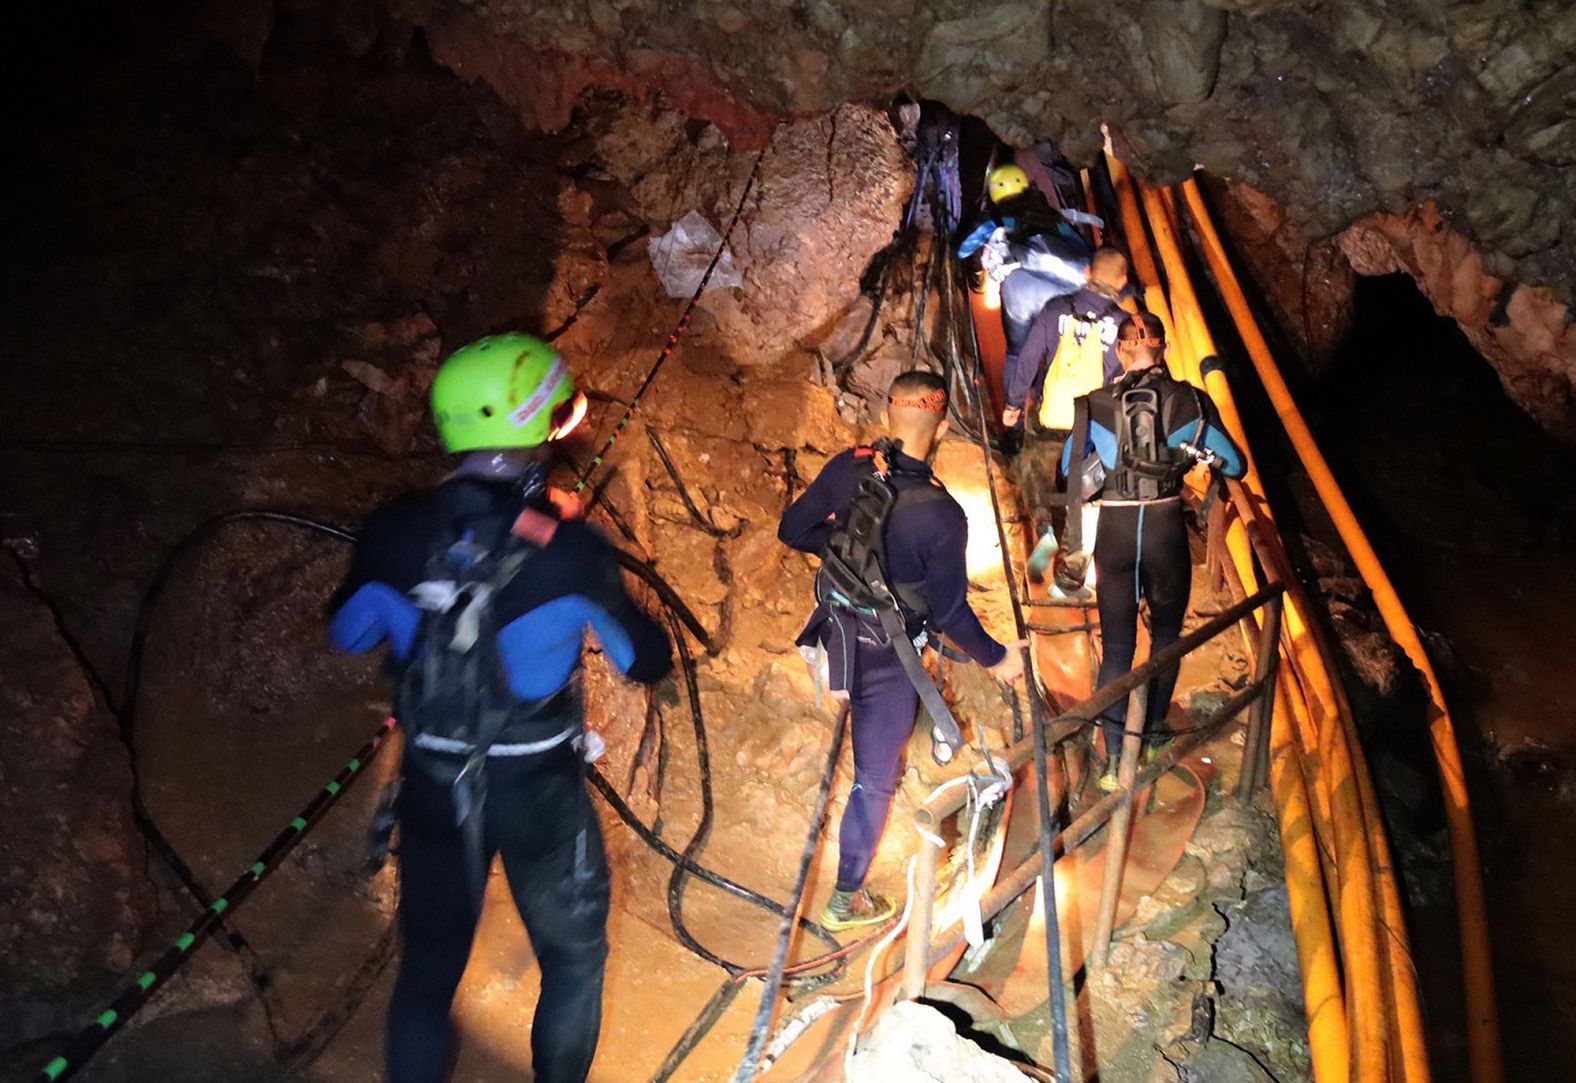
(502, 400)
(925, 539)
(1140, 550)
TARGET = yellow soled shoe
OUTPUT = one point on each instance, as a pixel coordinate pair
(853, 909)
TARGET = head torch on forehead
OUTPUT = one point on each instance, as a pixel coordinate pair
(934, 401)
(566, 416)
(1154, 342)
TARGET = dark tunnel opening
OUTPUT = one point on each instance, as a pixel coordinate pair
(1469, 505)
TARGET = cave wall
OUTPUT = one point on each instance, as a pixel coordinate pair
(76, 900)
(1328, 114)
(1335, 110)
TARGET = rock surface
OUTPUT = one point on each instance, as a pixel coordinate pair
(75, 897)
(914, 1043)
(1336, 110)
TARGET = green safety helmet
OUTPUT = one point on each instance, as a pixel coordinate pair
(503, 391)
(1006, 181)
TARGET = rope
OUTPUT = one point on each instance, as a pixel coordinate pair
(1046, 815)
(678, 329)
(92, 1038)
(774, 974)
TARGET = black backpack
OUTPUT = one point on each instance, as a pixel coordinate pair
(853, 563)
(451, 691)
(1147, 467)
(853, 575)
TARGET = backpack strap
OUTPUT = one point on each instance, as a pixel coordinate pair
(1072, 533)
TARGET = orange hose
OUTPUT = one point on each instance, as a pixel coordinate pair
(1367, 1003)
(1328, 1040)
(1331, 1049)
(1476, 961)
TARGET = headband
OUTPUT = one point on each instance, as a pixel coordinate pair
(933, 401)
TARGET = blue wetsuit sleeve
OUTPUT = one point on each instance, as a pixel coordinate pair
(807, 524)
(1229, 458)
(1102, 441)
(375, 612)
(371, 604)
(1230, 461)
(978, 235)
(946, 589)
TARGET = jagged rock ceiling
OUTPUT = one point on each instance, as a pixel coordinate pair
(1335, 109)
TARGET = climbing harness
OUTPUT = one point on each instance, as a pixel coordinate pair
(852, 578)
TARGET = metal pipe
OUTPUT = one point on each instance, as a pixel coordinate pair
(915, 963)
(1121, 821)
(944, 804)
(1016, 882)
(1266, 662)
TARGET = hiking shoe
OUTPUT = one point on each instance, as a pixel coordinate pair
(1153, 750)
(1109, 782)
(851, 909)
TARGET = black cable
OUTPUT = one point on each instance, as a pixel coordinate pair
(1046, 815)
(812, 840)
(314, 1038)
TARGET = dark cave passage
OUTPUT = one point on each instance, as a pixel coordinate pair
(1471, 508)
(230, 280)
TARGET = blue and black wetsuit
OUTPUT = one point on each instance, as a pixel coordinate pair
(1140, 549)
(537, 815)
(1052, 259)
(925, 541)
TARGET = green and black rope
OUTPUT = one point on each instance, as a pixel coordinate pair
(111, 1019)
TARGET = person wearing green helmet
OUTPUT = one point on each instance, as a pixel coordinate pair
(483, 588)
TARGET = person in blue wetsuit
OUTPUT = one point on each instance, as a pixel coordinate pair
(502, 400)
(1147, 430)
(1031, 249)
(925, 539)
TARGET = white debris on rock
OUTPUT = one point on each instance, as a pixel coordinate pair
(912, 1043)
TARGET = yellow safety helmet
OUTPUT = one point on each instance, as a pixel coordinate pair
(1006, 181)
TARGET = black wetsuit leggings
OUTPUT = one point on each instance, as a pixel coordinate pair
(539, 819)
(1140, 551)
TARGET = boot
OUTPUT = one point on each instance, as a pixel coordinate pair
(852, 909)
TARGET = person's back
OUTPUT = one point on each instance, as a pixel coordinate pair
(1147, 430)
(483, 591)
(870, 651)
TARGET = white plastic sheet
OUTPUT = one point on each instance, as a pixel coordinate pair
(680, 257)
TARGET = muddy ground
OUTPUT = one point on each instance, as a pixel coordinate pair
(229, 289)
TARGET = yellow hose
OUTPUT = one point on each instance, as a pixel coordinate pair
(1331, 1049)
(1368, 993)
(1476, 962)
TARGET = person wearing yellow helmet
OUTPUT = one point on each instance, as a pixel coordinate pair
(1032, 252)
(1006, 182)
(483, 589)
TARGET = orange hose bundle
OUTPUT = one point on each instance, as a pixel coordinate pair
(1482, 1016)
(1358, 981)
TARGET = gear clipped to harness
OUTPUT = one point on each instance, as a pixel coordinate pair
(1147, 466)
(853, 576)
(452, 695)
